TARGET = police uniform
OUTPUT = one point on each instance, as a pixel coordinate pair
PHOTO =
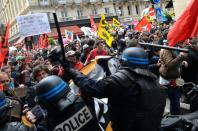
(79, 116)
(136, 99)
(66, 110)
(5, 125)
(15, 126)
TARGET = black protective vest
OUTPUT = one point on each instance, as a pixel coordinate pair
(141, 104)
(15, 126)
(80, 116)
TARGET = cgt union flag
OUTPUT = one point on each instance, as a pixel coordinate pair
(93, 25)
(186, 26)
(143, 25)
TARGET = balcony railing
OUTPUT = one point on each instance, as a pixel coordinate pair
(78, 1)
(65, 19)
(93, 1)
(61, 2)
(81, 17)
(44, 3)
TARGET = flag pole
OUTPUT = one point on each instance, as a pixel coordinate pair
(165, 47)
(59, 35)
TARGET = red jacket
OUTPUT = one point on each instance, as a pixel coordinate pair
(78, 65)
(95, 53)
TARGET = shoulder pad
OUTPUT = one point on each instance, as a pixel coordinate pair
(124, 77)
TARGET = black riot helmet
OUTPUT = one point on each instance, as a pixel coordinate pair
(50, 90)
(55, 56)
(134, 57)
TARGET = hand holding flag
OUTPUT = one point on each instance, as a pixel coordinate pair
(143, 25)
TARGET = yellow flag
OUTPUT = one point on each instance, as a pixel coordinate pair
(104, 31)
(116, 22)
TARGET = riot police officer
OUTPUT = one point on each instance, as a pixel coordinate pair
(136, 99)
(66, 110)
(5, 125)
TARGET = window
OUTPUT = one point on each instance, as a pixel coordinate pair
(92, 1)
(63, 14)
(44, 2)
(94, 11)
(129, 10)
(80, 12)
(48, 15)
(106, 1)
(137, 9)
(107, 11)
(61, 1)
(121, 13)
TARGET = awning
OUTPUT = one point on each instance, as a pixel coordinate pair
(19, 41)
(75, 29)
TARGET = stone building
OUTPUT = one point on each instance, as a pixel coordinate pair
(72, 11)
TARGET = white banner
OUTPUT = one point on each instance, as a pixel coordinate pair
(34, 24)
(87, 31)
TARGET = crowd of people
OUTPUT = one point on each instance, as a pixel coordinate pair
(136, 92)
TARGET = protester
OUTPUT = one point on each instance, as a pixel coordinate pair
(5, 83)
(98, 51)
(85, 52)
(74, 60)
(7, 70)
(169, 72)
(192, 64)
(136, 100)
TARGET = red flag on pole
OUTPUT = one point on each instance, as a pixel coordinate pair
(5, 43)
(45, 41)
(1, 87)
(143, 25)
(93, 25)
(4, 46)
(186, 25)
(40, 40)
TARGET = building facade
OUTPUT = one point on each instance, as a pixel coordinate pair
(70, 10)
(180, 6)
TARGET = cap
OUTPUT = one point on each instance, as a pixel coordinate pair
(70, 53)
(19, 58)
(85, 46)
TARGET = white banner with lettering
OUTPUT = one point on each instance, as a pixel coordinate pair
(34, 24)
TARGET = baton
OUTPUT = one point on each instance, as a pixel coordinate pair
(165, 47)
(59, 35)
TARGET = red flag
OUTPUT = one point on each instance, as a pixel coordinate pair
(143, 25)
(186, 25)
(1, 87)
(4, 46)
(93, 25)
(5, 43)
(40, 41)
(45, 41)
(151, 12)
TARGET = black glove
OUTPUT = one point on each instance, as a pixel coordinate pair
(66, 64)
(71, 73)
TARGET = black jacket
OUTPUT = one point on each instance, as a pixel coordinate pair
(15, 126)
(136, 99)
(79, 115)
